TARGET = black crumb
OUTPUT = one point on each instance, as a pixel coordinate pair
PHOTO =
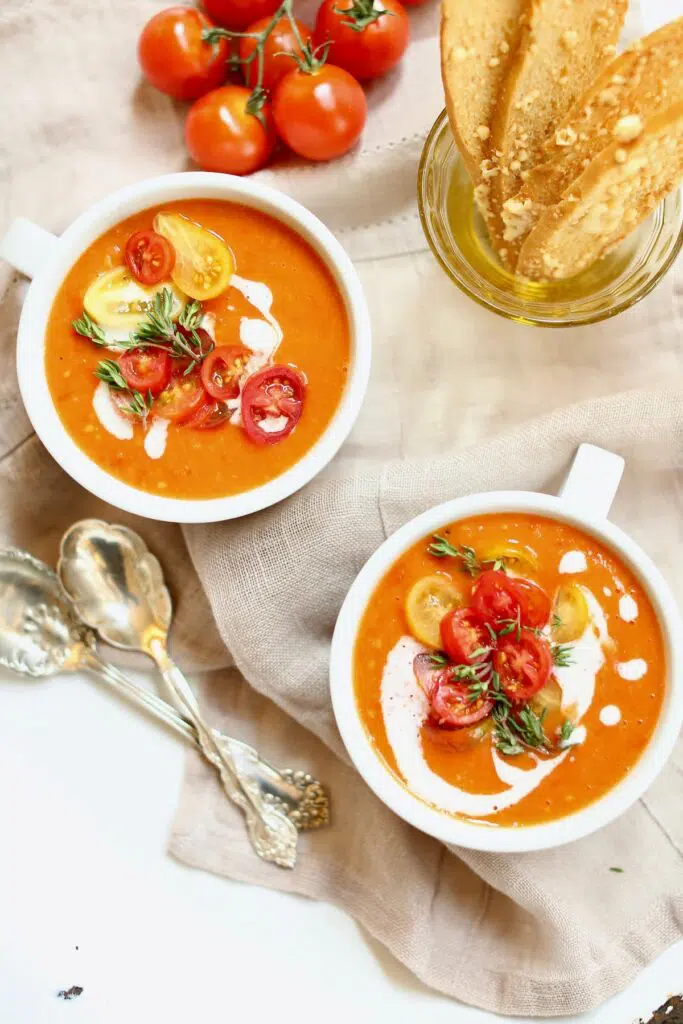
(76, 948)
(669, 1013)
(70, 993)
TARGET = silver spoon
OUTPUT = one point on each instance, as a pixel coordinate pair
(41, 635)
(118, 589)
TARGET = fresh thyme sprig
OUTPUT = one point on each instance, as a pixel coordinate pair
(565, 732)
(440, 547)
(562, 655)
(160, 326)
(109, 371)
(519, 729)
(87, 327)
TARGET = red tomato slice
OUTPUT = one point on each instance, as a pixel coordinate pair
(524, 666)
(181, 397)
(451, 705)
(496, 596)
(146, 369)
(222, 369)
(534, 603)
(272, 395)
(209, 415)
(150, 257)
(462, 633)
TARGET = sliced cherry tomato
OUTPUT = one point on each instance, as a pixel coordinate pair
(237, 14)
(209, 415)
(368, 39)
(427, 602)
(321, 113)
(181, 398)
(204, 263)
(115, 299)
(146, 369)
(570, 611)
(150, 256)
(451, 706)
(521, 559)
(222, 369)
(534, 604)
(463, 632)
(221, 134)
(427, 673)
(524, 666)
(279, 44)
(175, 58)
(272, 402)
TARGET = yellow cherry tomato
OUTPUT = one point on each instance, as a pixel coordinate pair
(203, 262)
(116, 299)
(427, 602)
(570, 613)
(520, 559)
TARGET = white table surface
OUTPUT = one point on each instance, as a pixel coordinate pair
(89, 897)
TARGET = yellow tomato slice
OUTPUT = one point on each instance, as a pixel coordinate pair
(203, 262)
(570, 613)
(116, 299)
(427, 602)
(522, 560)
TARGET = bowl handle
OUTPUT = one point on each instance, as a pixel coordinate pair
(27, 246)
(592, 481)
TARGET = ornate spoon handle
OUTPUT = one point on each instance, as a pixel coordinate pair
(301, 797)
(272, 834)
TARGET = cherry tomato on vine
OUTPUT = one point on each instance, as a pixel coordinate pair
(237, 14)
(146, 369)
(320, 113)
(221, 134)
(368, 37)
(150, 256)
(174, 57)
(281, 42)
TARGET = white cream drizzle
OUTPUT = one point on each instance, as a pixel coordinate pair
(405, 709)
(156, 436)
(109, 416)
(610, 714)
(632, 670)
(628, 609)
(572, 562)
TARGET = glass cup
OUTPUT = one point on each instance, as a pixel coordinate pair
(458, 238)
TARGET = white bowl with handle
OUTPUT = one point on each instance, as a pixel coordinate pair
(47, 259)
(583, 502)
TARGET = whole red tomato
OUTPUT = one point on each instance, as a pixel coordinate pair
(366, 40)
(319, 112)
(238, 14)
(280, 42)
(221, 134)
(174, 57)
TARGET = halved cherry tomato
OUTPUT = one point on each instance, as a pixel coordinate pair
(462, 633)
(115, 299)
(534, 603)
(146, 369)
(499, 597)
(272, 403)
(276, 60)
(524, 666)
(570, 609)
(150, 256)
(181, 397)
(451, 706)
(367, 39)
(237, 14)
(427, 602)
(204, 263)
(209, 415)
(175, 58)
(222, 135)
(222, 369)
(520, 558)
(320, 114)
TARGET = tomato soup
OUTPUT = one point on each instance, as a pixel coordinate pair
(197, 349)
(510, 670)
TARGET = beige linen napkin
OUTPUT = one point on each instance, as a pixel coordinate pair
(549, 933)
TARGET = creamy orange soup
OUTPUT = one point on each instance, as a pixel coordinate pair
(309, 332)
(515, 724)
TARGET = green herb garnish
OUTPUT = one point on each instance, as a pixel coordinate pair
(562, 655)
(109, 371)
(87, 327)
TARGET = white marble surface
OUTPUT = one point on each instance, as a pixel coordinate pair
(88, 896)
